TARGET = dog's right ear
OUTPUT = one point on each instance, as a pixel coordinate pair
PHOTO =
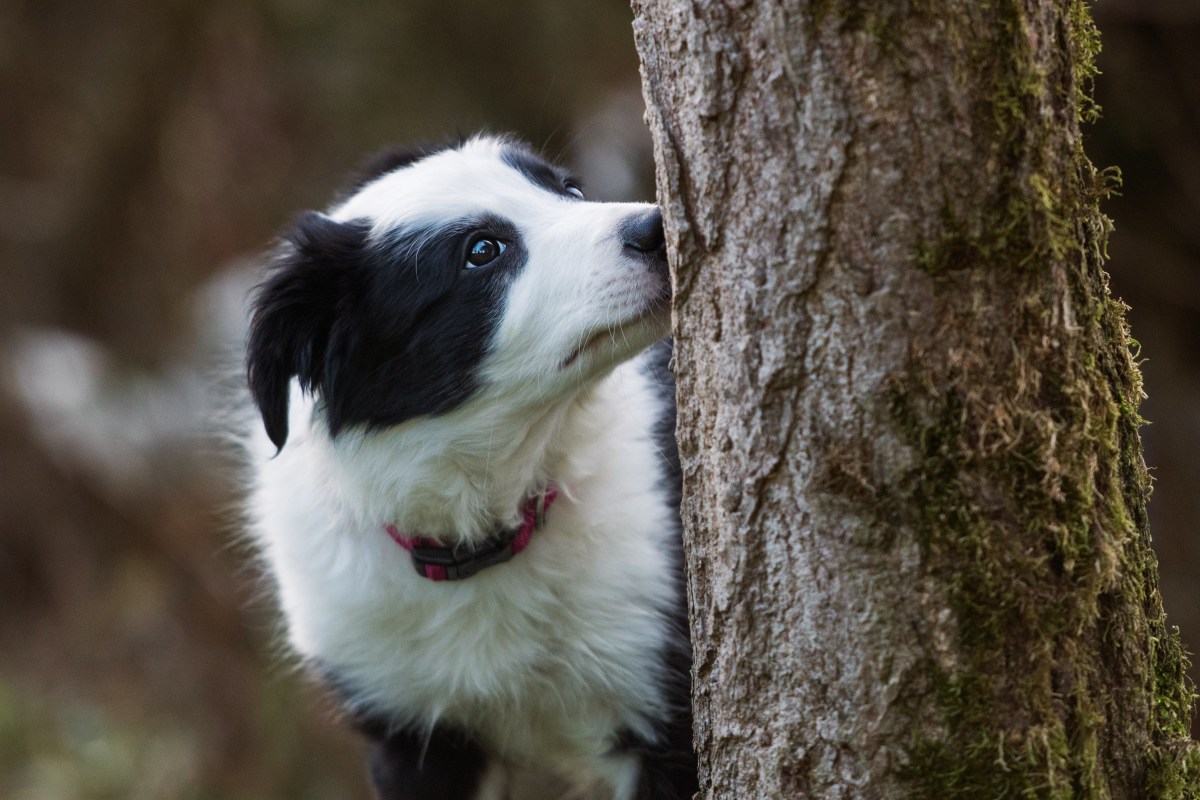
(311, 276)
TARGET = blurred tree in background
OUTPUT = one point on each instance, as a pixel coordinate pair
(148, 150)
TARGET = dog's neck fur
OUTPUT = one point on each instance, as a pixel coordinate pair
(460, 477)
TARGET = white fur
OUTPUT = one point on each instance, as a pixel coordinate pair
(545, 657)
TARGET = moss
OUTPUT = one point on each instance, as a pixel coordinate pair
(1029, 499)
(1027, 493)
(982, 471)
(1174, 774)
(1085, 49)
(1023, 222)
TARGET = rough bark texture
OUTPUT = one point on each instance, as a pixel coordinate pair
(914, 490)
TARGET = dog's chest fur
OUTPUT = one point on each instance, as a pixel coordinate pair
(548, 658)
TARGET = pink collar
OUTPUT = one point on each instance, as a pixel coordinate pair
(438, 563)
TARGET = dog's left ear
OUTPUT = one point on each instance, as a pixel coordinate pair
(313, 274)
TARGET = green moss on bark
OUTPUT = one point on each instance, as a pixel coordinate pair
(1027, 221)
(1028, 491)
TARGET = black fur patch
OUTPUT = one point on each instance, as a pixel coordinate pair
(659, 367)
(381, 163)
(540, 172)
(669, 765)
(295, 310)
(409, 763)
(444, 764)
(382, 329)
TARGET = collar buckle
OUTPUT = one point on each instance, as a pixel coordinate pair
(446, 564)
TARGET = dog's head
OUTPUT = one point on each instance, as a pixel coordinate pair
(478, 272)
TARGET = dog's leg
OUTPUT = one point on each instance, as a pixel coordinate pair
(445, 765)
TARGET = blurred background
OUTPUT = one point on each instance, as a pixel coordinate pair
(148, 150)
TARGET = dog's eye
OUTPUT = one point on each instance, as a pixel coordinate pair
(484, 251)
(575, 190)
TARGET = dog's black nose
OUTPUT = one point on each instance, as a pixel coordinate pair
(643, 233)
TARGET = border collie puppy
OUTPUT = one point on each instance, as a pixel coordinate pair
(465, 486)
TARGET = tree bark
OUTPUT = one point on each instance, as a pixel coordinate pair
(914, 495)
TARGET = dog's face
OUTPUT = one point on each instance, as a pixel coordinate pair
(470, 275)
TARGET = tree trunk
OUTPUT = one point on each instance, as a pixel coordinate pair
(915, 500)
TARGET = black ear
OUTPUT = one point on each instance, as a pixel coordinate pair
(311, 278)
(383, 162)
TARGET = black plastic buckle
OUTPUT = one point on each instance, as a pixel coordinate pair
(462, 562)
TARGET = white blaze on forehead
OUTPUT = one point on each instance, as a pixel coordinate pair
(471, 179)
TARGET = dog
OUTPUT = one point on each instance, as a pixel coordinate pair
(464, 483)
